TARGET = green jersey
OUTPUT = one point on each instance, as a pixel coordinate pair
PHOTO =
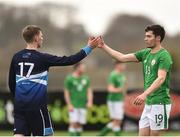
(77, 87)
(151, 63)
(117, 80)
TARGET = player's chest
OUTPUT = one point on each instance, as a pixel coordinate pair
(150, 64)
(119, 80)
(79, 84)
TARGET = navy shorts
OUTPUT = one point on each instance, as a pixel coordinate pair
(33, 122)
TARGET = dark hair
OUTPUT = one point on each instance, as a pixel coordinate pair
(29, 32)
(157, 31)
(77, 65)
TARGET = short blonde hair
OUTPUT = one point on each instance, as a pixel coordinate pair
(29, 32)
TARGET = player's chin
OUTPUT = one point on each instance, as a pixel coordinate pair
(149, 46)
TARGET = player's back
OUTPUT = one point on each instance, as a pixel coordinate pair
(31, 72)
(28, 76)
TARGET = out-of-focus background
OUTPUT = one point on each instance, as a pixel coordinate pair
(67, 24)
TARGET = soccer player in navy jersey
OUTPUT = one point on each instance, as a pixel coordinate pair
(28, 80)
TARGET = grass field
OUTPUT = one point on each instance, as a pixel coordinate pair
(94, 133)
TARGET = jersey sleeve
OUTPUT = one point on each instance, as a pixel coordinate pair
(111, 79)
(123, 80)
(67, 83)
(165, 62)
(12, 78)
(88, 81)
(140, 54)
(52, 60)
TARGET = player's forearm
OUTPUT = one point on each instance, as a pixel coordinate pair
(73, 59)
(67, 98)
(154, 86)
(113, 53)
(90, 96)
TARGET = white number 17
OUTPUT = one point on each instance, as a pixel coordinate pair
(22, 64)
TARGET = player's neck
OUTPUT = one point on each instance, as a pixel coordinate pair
(117, 71)
(156, 48)
(31, 46)
(76, 74)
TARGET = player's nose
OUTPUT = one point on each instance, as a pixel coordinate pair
(145, 39)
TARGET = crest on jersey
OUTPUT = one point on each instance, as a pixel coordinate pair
(145, 61)
(84, 81)
(153, 62)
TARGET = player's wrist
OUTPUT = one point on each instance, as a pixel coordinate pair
(88, 49)
(104, 46)
(146, 93)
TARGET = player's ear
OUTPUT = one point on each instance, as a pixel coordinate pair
(158, 38)
(35, 38)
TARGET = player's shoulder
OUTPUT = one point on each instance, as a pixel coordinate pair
(143, 52)
(113, 74)
(165, 53)
(85, 76)
(24, 51)
(146, 50)
(69, 76)
(165, 56)
(122, 74)
(18, 54)
(44, 54)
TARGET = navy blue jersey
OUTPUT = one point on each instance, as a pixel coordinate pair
(28, 76)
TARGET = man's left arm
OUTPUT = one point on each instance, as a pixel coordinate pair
(154, 86)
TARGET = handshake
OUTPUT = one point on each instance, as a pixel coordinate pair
(94, 42)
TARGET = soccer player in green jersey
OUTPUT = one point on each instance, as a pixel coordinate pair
(157, 64)
(116, 88)
(78, 96)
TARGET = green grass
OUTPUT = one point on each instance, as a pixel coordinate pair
(94, 133)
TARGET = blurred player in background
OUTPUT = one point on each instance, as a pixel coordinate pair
(157, 64)
(78, 96)
(116, 88)
(28, 77)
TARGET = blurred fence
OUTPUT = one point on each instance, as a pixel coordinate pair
(97, 116)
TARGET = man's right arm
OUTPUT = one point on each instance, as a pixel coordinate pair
(113, 89)
(68, 100)
(73, 59)
(118, 55)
